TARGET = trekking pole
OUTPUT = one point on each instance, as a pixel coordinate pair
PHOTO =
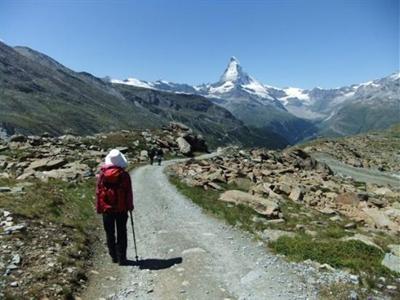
(134, 237)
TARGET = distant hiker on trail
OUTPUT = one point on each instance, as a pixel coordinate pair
(152, 154)
(159, 155)
(114, 200)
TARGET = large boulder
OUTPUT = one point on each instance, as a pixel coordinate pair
(144, 155)
(197, 143)
(272, 235)
(184, 146)
(362, 238)
(348, 198)
(18, 138)
(392, 262)
(263, 206)
(296, 194)
(46, 164)
(379, 219)
(179, 126)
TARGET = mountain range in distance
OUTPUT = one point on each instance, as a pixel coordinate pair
(295, 113)
(38, 94)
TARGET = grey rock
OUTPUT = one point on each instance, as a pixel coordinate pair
(394, 249)
(11, 229)
(353, 295)
(354, 279)
(391, 287)
(350, 226)
(18, 138)
(123, 149)
(5, 189)
(392, 262)
(16, 259)
(12, 267)
(184, 146)
(296, 194)
(46, 164)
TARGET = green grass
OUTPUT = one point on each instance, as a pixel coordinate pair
(353, 255)
(69, 207)
(55, 201)
(208, 200)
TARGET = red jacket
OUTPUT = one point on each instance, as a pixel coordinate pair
(113, 190)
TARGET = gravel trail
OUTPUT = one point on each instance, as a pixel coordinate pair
(359, 174)
(187, 254)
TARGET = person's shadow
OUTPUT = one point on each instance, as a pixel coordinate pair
(154, 263)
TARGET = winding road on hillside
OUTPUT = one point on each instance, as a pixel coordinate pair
(187, 254)
(358, 174)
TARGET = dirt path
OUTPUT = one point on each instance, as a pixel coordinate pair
(358, 174)
(187, 254)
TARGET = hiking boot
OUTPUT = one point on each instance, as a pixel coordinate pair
(114, 259)
(123, 262)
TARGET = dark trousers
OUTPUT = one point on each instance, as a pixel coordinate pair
(112, 221)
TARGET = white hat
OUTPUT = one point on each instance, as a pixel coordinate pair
(116, 158)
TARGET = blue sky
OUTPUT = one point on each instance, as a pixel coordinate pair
(302, 43)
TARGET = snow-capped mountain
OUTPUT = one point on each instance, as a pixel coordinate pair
(235, 85)
(322, 104)
(254, 103)
(292, 111)
(161, 85)
(245, 97)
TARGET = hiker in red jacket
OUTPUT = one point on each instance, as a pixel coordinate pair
(114, 199)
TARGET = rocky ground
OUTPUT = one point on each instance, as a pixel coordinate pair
(344, 232)
(379, 150)
(47, 218)
(293, 195)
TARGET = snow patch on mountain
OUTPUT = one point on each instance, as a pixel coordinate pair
(293, 92)
(134, 82)
(256, 88)
(366, 84)
(395, 76)
(225, 87)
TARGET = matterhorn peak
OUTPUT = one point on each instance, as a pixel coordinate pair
(234, 59)
(234, 73)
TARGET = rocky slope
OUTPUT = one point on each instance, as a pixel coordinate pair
(48, 228)
(298, 203)
(295, 174)
(35, 91)
(218, 125)
(376, 150)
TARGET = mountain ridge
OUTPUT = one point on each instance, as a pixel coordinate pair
(314, 111)
(38, 94)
